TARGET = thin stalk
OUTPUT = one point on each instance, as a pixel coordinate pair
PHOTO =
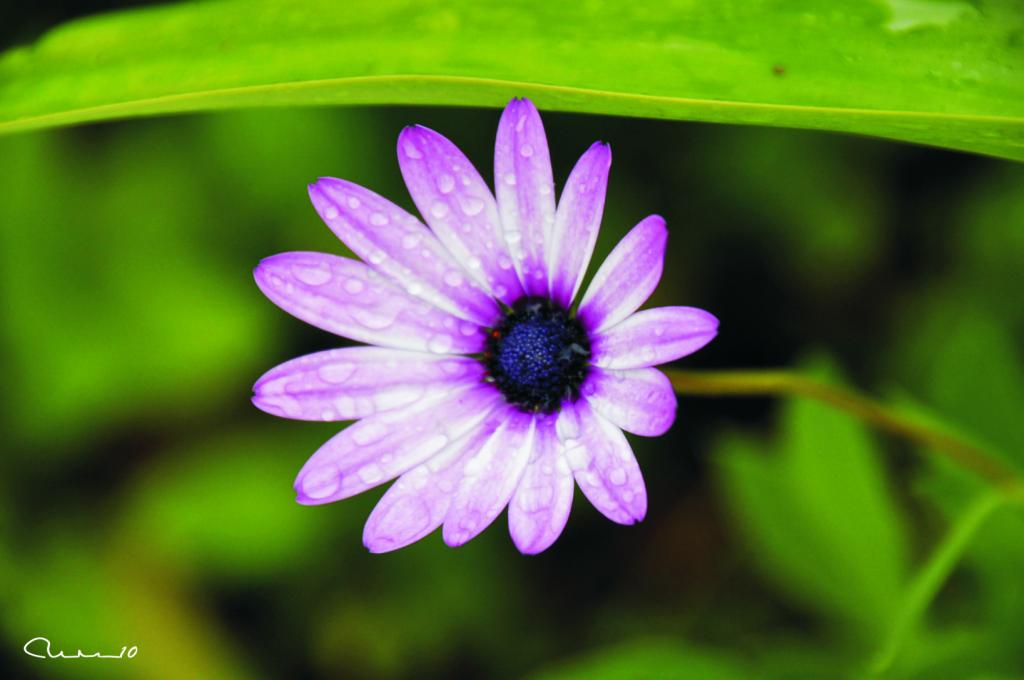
(933, 573)
(783, 383)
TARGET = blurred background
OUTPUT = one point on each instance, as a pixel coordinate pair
(144, 501)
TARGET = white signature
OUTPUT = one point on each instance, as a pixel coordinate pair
(126, 652)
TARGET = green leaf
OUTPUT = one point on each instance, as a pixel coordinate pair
(945, 73)
(819, 516)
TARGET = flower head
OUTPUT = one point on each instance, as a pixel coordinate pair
(482, 385)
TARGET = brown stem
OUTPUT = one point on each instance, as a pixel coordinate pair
(772, 382)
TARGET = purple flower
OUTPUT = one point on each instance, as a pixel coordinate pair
(484, 385)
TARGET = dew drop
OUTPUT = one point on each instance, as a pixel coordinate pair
(312, 276)
(370, 474)
(445, 183)
(510, 179)
(471, 205)
(474, 263)
(374, 320)
(440, 343)
(353, 202)
(617, 476)
(330, 212)
(336, 373)
(411, 240)
(439, 209)
(414, 288)
(378, 256)
(453, 278)
(354, 286)
(526, 150)
(320, 483)
(410, 150)
(378, 219)
(368, 432)
(575, 454)
(504, 261)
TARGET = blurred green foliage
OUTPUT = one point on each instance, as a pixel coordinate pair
(144, 501)
(820, 518)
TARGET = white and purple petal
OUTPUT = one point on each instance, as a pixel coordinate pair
(602, 463)
(627, 277)
(416, 504)
(400, 246)
(489, 478)
(640, 400)
(459, 207)
(381, 447)
(652, 337)
(577, 222)
(347, 298)
(525, 191)
(540, 506)
(356, 382)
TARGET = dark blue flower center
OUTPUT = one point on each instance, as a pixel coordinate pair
(537, 355)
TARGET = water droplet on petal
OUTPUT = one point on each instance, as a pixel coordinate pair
(378, 219)
(353, 202)
(370, 474)
(526, 150)
(414, 288)
(471, 205)
(617, 476)
(330, 212)
(368, 432)
(504, 261)
(411, 240)
(337, 372)
(374, 320)
(354, 286)
(440, 343)
(510, 179)
(453, 278)
(312, 276)
(439, 209)
(410, 150)
(445, 183)
(474, 263)
(320, 483)
(378, 256)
